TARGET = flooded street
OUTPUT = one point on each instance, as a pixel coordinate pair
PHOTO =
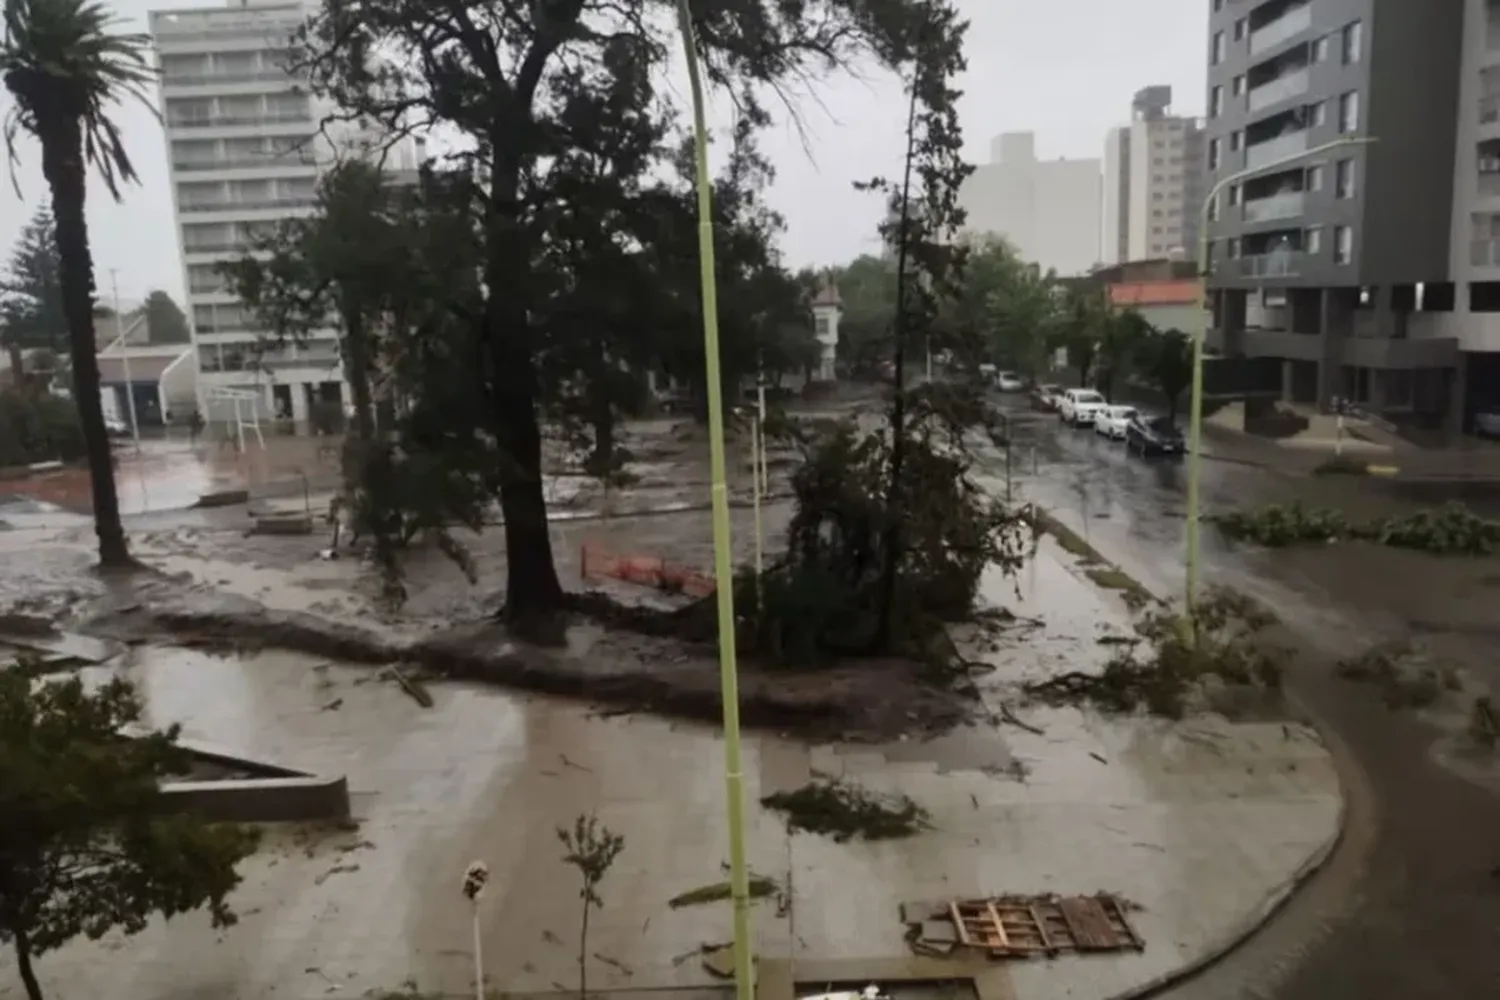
(1410, 909)
(1199, 824)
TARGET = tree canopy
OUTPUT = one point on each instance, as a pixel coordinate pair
(31, 303)
(166, 323)
(86, 846)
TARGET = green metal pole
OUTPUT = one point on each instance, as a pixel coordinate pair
(739, 883)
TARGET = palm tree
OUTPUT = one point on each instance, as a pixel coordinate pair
(64, 63)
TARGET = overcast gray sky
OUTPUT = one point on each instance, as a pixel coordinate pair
(1064, 69)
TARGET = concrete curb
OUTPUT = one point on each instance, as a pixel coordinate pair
(1283, 893)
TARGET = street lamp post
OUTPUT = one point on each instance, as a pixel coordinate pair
(1195, 408)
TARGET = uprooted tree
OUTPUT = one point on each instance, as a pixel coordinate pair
(87, 846)
(504, 77)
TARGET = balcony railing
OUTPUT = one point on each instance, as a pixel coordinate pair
(1278, 206)
(1295, 20)
(218, 121)
(1484, 253)
(246, 163)
(220, 79)
(1282, 88)
(1489, 185)
(258, 204)
(1281, 264)
(1265, 153)
(226, 247)
(1489, 109)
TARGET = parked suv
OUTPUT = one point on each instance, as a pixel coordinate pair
(1147, 436)
(1080, 407)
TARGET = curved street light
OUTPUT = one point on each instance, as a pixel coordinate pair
(1195, 409)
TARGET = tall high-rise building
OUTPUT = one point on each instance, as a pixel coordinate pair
(1047, 209)
(245, 151)
(1369, 269)
(1153, 182)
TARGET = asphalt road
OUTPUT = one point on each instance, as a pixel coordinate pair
(1409, 907)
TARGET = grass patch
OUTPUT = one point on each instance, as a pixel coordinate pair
(1070, 541)
(843, 811)
(716, 892)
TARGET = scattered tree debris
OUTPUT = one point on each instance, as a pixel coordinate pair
(1167, 661)
(761, 887)
(1405, 675)
(1449, 530)
(413, 687)
(1484, 723)
(843, 811)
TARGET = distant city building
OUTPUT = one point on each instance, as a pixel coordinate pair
(1049, 210)
(826, 307)
(1153, 182)
(245, 152)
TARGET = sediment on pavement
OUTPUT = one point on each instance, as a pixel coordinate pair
(870, 700)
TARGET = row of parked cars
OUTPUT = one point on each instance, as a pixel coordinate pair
(1143, 433)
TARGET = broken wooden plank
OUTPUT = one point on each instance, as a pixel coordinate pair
(1089, 924)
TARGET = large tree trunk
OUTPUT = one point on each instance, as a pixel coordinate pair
(531, 583)
(23, 966)
(17, 365)
(62, 164)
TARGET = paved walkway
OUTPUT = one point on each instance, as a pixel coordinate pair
(1199, 823)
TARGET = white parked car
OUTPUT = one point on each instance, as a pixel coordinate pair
(1009, 382)
(115, 427)
(1112, 421)
(1080, 407)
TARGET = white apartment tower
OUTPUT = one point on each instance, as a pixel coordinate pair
(1047, 209)
(1153, 182)
(244, 152)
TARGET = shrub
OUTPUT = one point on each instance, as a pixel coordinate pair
(38, 427)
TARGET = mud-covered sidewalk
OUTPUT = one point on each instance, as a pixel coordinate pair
(1200, 823)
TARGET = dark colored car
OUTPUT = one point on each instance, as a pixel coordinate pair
(1146, 436)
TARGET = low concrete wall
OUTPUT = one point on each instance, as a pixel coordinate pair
(262, 800)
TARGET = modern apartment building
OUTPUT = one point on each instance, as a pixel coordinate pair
(1047, 209)
(244, 152)
(1342, 262)
(1153, 182)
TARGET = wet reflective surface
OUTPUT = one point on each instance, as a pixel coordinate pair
(1151, 811)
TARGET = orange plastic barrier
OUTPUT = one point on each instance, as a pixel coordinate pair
(647, 571)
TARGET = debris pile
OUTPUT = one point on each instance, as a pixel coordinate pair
(1022, 926)
(844, 812)
(1449, 530)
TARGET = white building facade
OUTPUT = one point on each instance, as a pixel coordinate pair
(1049, 210)
(1153, 182)
(244, 153)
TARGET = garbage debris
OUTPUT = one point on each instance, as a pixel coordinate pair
(1022, 926)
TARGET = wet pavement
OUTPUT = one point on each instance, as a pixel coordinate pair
(1198, 823)
(1410, 907)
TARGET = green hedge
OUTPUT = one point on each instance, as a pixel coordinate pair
(38, 428)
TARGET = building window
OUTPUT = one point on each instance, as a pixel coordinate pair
(1320, 50)
(1349, 112)
(1239, 85)
(1352, 42)
(1312, 240)
(1319, 116)
(1234, 248)
(1239, 29)
(1213, 154)
(1343, 179)
(1314, 178)
(1218, 48)
(1215, 101)
(1236, 140)
(1213, 209)
(1234, 194)
(1218, 5)
(1343, 244)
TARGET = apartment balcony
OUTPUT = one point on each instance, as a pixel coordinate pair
(1283, 88)
(1484, 253)
(276, 75)
(237, 246)
(1282, 264)
(1489, 109)
(261, 204)
(1284, 147)
(239, 121)
(1288, 205)
(268, 162)
(1290, 24)
(1488, 185)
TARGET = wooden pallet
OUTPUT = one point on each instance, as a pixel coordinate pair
(1012, 927)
